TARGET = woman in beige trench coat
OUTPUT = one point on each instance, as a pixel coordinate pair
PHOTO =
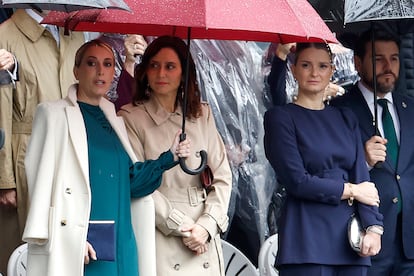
(189, 220)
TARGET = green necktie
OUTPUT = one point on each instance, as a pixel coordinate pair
(389, 132)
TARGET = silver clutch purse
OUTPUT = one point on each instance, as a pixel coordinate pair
(355, 233)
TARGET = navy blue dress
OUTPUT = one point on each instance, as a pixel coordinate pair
(314, 152)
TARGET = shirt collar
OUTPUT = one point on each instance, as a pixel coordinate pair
(37, 17)
(369, 95)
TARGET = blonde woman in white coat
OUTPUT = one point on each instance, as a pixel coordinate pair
(81, 167)
(189, 219)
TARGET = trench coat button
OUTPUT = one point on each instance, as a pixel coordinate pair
(68, 191)
(398, 177)
(63, 222)
(177, 267)
(206, 265)
(395, 200)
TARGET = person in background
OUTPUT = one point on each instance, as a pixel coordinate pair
(128, 49)
(81, 167)
(37, 66)
(5, 13)
(317, 155)
(189, 218)
(394, 174)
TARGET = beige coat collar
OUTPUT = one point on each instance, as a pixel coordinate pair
(27, 25)
(157, 112)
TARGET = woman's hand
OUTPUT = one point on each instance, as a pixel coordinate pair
(180, 149)
(371, 244)
(89, 253)
(333, 90)
(134, 45)
(364, 192)
(197, 241)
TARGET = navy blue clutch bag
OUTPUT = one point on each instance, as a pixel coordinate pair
(101, 235)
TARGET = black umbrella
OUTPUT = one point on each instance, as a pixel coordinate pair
(64, 5)
(398, 12)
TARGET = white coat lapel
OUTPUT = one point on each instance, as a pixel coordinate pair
(77, 132)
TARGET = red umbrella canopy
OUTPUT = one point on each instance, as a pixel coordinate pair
(254, 20)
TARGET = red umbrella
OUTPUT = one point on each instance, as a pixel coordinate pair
(64, 5)
(255, 20)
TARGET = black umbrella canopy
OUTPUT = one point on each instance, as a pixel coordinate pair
(64, 5)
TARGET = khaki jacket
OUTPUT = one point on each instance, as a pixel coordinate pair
(58, 181)
(45, 73)
(180, 199)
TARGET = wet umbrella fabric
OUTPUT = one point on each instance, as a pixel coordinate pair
(64, 5)
(254, 20)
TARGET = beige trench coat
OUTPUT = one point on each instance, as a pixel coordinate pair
(45, 72)
(180, 199)
(58, 178)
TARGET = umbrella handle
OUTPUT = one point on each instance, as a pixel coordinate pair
(203, 156)
(183, 165)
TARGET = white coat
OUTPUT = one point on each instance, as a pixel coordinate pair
(58, 180)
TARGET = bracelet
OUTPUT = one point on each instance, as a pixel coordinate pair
(377, 229)
(351, 196)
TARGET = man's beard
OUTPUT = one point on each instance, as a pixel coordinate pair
(382, 88)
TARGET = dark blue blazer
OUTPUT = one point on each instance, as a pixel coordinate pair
(389, 182)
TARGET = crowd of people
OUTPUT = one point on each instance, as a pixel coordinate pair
(90, 138)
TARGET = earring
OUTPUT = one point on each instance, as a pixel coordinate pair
(148, 91)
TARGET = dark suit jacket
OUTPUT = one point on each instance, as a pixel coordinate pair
(389, 182)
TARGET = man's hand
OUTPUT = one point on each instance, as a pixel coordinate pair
(8, 198)
(6, 60)
(375, 150)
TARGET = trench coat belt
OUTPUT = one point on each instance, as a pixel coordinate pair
(192, 195)
(22, 128)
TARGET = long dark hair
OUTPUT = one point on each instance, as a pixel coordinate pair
(141, 80)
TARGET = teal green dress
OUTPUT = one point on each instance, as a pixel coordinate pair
(114, 180)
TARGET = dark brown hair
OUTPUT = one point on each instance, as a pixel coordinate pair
(181, 49)
(300, 47)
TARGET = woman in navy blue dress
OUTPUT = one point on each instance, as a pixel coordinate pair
(318, 157)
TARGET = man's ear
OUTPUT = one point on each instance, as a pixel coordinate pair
(358, 63)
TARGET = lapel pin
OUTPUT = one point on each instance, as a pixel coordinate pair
(404, 105)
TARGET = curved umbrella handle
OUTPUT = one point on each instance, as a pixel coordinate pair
(203, 156)
(183, 165)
